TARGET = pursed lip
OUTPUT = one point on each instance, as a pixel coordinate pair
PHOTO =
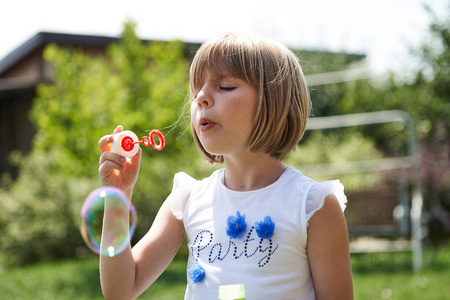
(206, 124)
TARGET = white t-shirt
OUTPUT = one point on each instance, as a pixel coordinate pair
(272, 266)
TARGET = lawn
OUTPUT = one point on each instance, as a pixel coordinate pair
(389, 276)
(79, 279)
(376, 276)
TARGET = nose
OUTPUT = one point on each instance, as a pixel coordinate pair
(203, 100)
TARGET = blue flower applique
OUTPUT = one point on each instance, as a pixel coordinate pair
(236, 226)
(196, 272)
(265, 228)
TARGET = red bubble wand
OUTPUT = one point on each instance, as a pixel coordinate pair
(126, 142)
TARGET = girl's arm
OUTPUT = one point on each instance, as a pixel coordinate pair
(328, 252)
(128, 274)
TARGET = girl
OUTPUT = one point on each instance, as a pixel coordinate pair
(255, 222)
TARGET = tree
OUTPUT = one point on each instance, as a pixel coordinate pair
(139, 85)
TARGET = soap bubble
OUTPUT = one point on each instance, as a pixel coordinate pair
(118, 231)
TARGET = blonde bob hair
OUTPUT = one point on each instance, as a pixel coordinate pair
(283, 99)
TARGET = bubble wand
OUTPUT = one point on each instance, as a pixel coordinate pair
(126, 142)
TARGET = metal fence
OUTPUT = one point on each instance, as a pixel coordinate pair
(390, 211)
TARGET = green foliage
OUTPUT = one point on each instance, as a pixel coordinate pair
(314, 62)
(321, 150)
(426, 98)
(40, 211)
(139, 85)
(325, 98)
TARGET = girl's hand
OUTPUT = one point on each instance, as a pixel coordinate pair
(115, 170)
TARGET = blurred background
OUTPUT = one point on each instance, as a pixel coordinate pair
(379, 79)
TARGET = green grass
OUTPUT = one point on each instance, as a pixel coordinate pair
(79, 279)
(375, 276)
(390, 276)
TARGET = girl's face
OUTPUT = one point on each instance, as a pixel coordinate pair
(222, 113)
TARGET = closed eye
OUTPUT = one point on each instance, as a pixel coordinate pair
(227, 88)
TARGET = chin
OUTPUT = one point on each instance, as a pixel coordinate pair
(213, 152)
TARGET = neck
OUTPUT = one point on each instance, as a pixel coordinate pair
(252, 172)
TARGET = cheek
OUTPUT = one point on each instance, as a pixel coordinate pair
(193, 113)
(193, 109)
(194, 125)
(244, 112)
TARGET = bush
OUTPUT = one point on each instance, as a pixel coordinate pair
(39, 213)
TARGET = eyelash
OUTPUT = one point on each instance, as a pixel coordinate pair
(226, 88)
(223, 88)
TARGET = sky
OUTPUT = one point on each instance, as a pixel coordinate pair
(384, 30)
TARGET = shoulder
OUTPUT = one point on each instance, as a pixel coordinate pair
(183, 187)
(315, 191)
(320, 191)
(326, 220)
(181, 191)
(330, 207)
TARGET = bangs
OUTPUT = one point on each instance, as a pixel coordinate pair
(227, 56)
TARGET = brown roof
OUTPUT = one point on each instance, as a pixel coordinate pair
(42, 39)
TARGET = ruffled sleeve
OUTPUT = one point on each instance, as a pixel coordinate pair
(181, 190)
(319, 191)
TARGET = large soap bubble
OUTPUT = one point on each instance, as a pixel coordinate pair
(119, 226)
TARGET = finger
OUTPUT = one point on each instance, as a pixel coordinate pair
(106, 167)
(110, 156)
(104, 143)
(118, 129)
